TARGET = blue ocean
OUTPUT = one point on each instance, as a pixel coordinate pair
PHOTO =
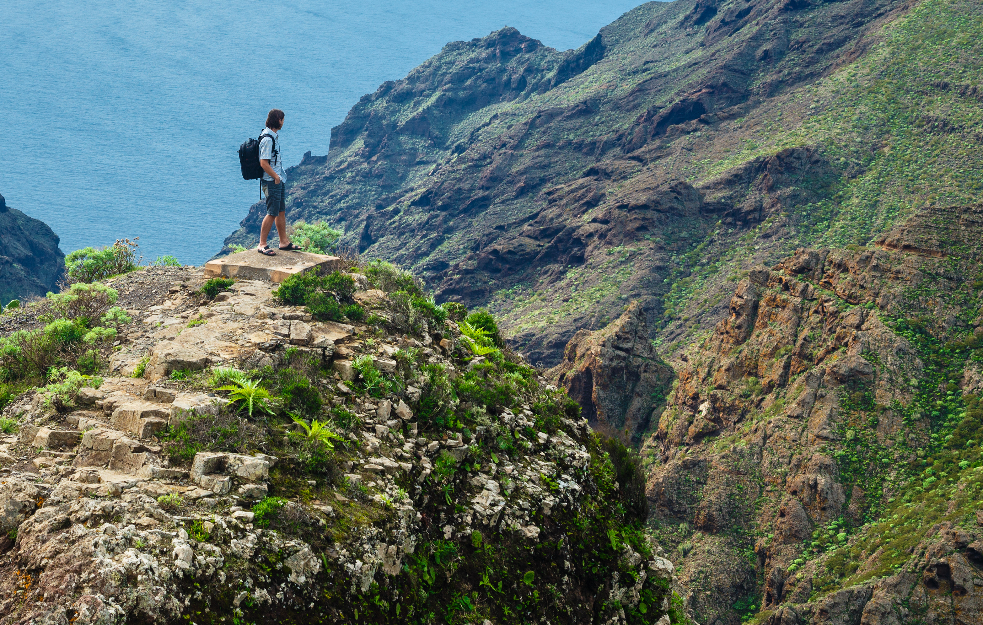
(123, 118)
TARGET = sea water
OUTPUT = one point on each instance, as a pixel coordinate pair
(123, 119)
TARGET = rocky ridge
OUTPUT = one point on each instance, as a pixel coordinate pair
(108, 515)
(31, 263)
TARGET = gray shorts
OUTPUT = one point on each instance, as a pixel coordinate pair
(276, 198)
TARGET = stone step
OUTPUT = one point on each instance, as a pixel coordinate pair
(140, 417)
(51, 438)
(217, 472)
(250, 265)
(105, 447)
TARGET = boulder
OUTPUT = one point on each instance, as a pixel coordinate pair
(18, 500)
(54, 439)
(167, 357)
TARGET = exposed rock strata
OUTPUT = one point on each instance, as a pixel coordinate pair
(795, 467)
(615, 374)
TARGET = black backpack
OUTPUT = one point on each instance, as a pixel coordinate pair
(249, 157)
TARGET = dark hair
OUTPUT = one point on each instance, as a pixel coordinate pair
(274, 121)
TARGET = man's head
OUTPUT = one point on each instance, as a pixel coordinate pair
(274, 121)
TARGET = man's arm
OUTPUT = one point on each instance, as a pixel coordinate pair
(265, 164)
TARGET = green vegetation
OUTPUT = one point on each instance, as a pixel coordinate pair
(327, 298)
(320, 432)
(77, 334)
(214, 286)
(170, 502)
(8, 425)
(317, 237)
(267, 509)
(202, 432)
(89, 264)
(165, 261)
(250, 394)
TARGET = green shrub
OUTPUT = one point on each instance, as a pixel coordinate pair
(484, 320)
(324, 296)
(214, 286)
(84, 302)
(27, 353)
(370, 380)
(170, 502)
(549, 412)
(165, 261)
(115, 317)
(428, 307)
(324, 307)
(193, 433)
(299, 395)
(13, 304)
(7, 394)
(295, 290)
(437, 399)
(141, 367)
(628, 472)
(317, 237)
(63, 389)
(455, 312)
(390, 278)
(89, 264)
(345, 419)
(354, 312)
(8, 425)
(266, 510)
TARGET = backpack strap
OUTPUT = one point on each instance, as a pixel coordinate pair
(266, 134)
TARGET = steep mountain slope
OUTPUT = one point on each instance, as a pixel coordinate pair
(31, 262)
(686, 142)
(820, 457)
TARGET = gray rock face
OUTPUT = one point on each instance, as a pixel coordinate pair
(615, 374)
(31, 263)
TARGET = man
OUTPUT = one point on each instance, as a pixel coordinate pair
(273, 185)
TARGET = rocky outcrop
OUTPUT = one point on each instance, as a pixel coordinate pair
(819, 450)
(152, 499)
(31, 263)
(615, 374)
(554, 187)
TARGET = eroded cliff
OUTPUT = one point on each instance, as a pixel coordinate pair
(820, 457)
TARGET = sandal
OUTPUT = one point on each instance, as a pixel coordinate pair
(265, 251)
(289, 247)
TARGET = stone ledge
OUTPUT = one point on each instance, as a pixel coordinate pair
(251, 265)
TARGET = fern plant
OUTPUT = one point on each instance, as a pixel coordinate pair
(249, 393)
(318, 431)
(478, 339)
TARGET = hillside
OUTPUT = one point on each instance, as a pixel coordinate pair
(174, 450)
(685, 143)
(820, 456)
(31, 263)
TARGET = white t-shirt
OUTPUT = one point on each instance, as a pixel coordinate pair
(266, 152)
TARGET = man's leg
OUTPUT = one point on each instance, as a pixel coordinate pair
(281, 229)
(272, 208)
(264, 229)
(281, 218)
